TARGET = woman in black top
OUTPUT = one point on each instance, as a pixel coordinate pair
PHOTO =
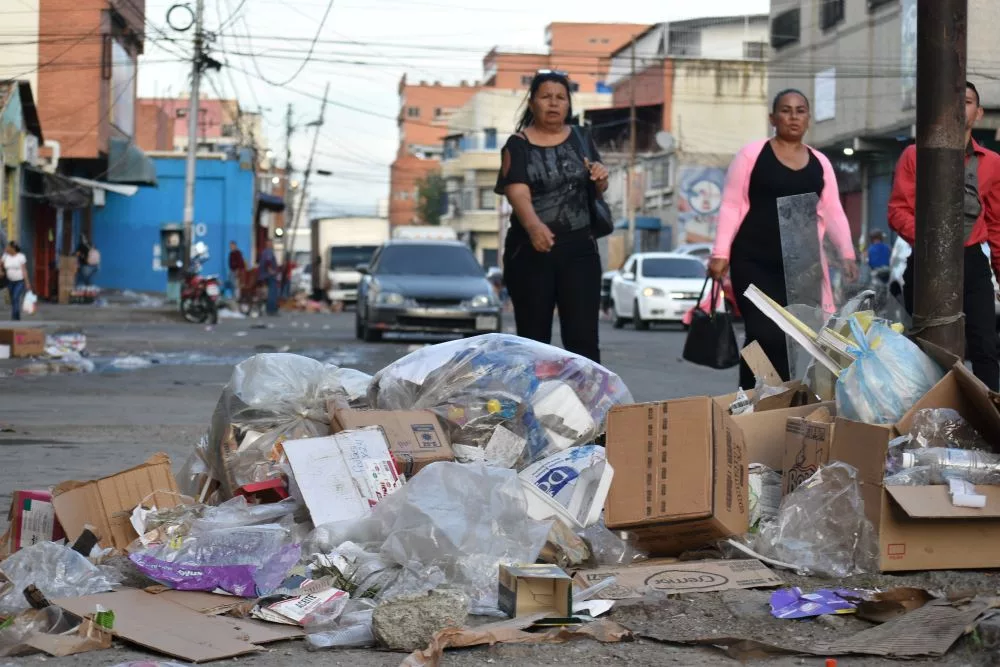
(748, 239)
(550, 256)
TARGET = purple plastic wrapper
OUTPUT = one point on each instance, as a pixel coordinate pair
(793, 603)
(248, 581)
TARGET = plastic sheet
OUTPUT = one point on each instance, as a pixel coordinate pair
(51, 620)
(821, 527)
(943, 464)
(944, 427)
(454, 523)
(57, 571)
(352, 628)
(609, 548)
(888, 377)
(271, 398)
(546, 399)
(800, 250)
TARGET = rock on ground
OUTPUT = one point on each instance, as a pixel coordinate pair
(408, 623)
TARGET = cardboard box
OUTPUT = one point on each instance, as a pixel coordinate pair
(32, 520)
(415, 437)
(343, 476)
(533, 589)
(107, 504)
(807, 446)
(23, 342)
(918, 527)
(669, 577)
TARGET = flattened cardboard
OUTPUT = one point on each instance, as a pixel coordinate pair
(415, 437)
(532, 589)
(88, 636)
(669, 577)
(23, 342)
(807, 447)
(107, 503)
(162, 626)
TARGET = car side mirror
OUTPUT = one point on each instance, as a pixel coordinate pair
(628, 277)
(362, 269)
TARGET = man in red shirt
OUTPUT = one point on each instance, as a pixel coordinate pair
(981, 206)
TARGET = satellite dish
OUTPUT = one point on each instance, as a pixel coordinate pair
(665, 140)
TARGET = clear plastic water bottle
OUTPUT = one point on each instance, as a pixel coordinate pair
(974, 466)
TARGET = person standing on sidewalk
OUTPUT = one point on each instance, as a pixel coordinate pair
(550, 257)
(982, 226)
(748, 240)
(237, 265)
(268, 274)
(15, 269)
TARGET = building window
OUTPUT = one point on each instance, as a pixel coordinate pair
(875, 4)
(490, 139)
(755, 50)
(487, 199)
(229, 130)
(438, 112)
(181, 113)
(605, 41)
(831, 13)
(592, 40)
(574, 87)
(403, 195)
(785, 28)
(684, 43)
(413, 112)
(659, 174)
(467, 200)
(526, 79)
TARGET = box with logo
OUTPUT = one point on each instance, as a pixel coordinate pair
(415, 437)
(23, 342)
(32, 520)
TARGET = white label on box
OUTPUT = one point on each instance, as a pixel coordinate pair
(504, 448)
(486, 323)
(298, 609)
(38, 520)
(382, 480)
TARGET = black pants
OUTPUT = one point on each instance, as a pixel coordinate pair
(567, 277)
(770, 278)
(980, 315)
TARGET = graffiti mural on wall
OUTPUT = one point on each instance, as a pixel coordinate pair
(700, 191)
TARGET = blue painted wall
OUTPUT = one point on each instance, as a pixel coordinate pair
(127, 229)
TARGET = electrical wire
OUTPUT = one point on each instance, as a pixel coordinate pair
(305, 61)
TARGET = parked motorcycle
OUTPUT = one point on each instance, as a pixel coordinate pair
(200, 294)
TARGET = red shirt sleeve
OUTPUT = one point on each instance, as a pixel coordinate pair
(991, 204)
(902, 202)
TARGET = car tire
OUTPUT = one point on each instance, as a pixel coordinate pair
(617, 321)
(640, 324)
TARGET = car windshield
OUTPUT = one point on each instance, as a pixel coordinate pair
(428, 260)
(672, 267)
(347, 257)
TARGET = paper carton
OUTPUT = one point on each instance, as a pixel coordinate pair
(107, 504)
(415, 437)
(532, 589)
(23, 342)
(918, 527)
(807, 447)
(669, 577)
(32, 520)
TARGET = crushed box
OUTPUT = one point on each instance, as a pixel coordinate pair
(670, 577)
(534, 589)
(23, 342)
(106, 504)
(415, 437)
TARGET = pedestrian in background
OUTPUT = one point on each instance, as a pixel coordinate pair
(237, 265)
(286, 277)
(268, 272)
(15, 270)
(550, 257)
(82, 272)
(982, 225)
(748, 240)
(879, 255)
(93, 264)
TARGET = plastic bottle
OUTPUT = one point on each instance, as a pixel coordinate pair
(974, 466)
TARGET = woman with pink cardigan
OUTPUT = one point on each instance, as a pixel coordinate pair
(748, 239)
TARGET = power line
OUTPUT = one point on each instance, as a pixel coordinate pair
(305, 61)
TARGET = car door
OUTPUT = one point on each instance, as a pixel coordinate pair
(625, 296)
(364, 285)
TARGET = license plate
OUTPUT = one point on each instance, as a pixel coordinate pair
(212, 290)
(486, 323)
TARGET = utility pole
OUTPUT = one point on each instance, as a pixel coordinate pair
(318, 124)
(630, 183)
(192, 147)
(289, 213)
(939, 252)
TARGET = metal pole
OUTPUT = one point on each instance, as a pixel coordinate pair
(630, 183)
(303, 202)
(289, 212)
(939, 253)
(192, 147)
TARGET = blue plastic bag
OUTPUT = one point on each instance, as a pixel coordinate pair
(888, 377)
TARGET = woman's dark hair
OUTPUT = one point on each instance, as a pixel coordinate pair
(15, 246)
(527, 116)
(787, 91)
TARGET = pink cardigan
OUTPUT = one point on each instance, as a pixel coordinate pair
(736, 204)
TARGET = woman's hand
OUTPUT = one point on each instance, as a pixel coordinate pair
(542, 238)
(718, 267)
(598, 174)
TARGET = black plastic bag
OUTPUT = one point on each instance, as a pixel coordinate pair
(711, 340)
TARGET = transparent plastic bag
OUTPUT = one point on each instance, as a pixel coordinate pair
(351, 629)
(944, 427)
(821, 527)
(49, 621)
(888, 377)
(452, 522)
(609, 548)
(546, 399)
(943, 463)
(57, 571)
(271, 398)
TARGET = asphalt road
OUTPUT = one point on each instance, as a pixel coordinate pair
(82, 426)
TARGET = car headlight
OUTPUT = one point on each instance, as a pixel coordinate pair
(481, 301)
(652, 291)
(390, 299)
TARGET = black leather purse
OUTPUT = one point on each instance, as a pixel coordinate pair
(601, 222)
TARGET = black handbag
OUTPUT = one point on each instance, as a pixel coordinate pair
(711, 340)
(601, 222)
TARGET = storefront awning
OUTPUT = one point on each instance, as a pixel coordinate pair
(268, 202)
(128, 165)
(123, 190)
(643, 224)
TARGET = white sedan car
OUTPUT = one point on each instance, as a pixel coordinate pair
(656, 287)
